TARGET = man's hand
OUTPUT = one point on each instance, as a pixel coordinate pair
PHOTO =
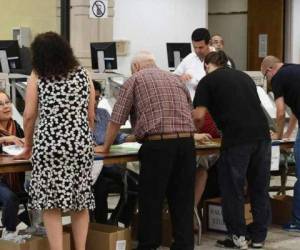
(25, 155)
(286, 135)
(202, 137)
(12, 140)
(101, 149)
(185, 77)
(274, 135)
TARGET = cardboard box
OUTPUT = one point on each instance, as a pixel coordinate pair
(166, 229)
(213, 218)
(105, 237)
(282, 206)
(35, 243)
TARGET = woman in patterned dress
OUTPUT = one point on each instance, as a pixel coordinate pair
(61, 145)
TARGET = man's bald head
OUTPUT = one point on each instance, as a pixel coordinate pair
(269, 62)
(269, 66)
(142, 60)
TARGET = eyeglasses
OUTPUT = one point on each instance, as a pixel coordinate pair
(266, 74)
(7, 102)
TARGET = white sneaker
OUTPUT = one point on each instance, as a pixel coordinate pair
(240, 242)
(13, 236)
(8, 235)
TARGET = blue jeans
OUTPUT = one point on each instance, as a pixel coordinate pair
(296, 203)
(10, 207)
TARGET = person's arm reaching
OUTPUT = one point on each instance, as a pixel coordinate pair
(280, 118)
(110, 136)
(182, 72)
(185, 77)
(198, 115)
(291, 126)
(91, 107)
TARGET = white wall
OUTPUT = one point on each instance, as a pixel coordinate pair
(292, 32)
(229, 19)
(295, 30)
(149, 24)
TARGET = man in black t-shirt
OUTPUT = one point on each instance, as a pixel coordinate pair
(232, 100)
(285, 83)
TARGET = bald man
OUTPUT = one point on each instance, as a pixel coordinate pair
(285, 83)
(160, 110)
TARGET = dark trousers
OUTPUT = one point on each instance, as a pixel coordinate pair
(167, 170)
(111, 180)
(249, 161)
(10, 207)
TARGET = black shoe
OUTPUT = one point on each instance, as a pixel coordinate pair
(226, 243)
(233, 242)
(24, 217)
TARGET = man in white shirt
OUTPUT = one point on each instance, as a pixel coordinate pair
(191, 69)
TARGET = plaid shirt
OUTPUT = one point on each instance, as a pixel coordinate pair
(157, 102)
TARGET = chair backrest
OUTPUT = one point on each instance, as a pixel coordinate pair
(17, 116)
(4, 83)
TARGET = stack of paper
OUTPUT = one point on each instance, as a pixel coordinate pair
(12, 149)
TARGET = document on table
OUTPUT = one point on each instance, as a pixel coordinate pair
(12, 149)
(96, 170)
(127, 146)
(275, 158)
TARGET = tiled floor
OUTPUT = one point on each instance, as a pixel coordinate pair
(277, 238)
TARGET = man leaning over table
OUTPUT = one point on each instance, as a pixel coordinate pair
(231, 98)
(285, 83)
(160, 110)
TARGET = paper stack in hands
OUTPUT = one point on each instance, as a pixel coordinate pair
(12, 149)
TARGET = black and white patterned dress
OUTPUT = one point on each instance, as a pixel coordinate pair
(63, 152)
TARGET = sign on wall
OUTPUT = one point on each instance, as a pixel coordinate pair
(98, 8)
(262, 45)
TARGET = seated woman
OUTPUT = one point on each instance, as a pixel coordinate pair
(10, 184)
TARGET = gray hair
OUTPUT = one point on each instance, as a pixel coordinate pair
(143, 57)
